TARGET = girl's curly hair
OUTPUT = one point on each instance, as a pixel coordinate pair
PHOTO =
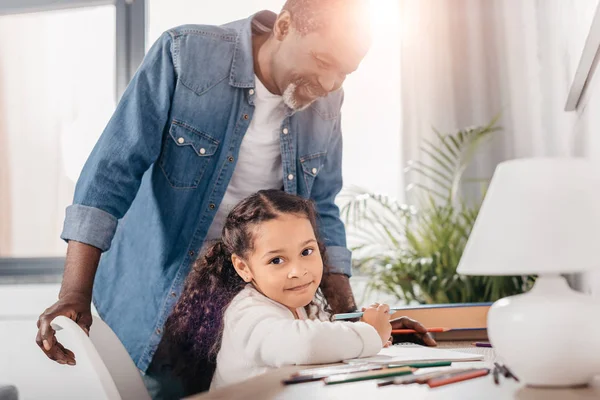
(194, 329)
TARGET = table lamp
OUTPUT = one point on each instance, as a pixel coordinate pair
(541, 216)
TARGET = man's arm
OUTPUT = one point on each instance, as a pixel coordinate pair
(73, 302)
(326, 187)
(130, 143)
(338, 293)
(109, 182)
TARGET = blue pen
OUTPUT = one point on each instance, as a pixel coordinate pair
(357, 314)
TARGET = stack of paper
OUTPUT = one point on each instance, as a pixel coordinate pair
(405, 353)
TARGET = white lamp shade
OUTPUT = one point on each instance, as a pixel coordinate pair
(539, 216)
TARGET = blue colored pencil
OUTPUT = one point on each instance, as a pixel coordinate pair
(357, 314)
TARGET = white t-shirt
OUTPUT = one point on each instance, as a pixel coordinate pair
(259, 160)
(260, 334)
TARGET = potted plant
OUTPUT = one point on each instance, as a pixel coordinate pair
(412, 250)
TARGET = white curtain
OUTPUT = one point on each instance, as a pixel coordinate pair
(56, 82)
(464, 61)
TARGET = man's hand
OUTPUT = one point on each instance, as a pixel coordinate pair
(421, 337)
(336, 289)
(74, 300)
(74, 306)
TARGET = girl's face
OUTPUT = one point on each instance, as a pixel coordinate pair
(286, 263)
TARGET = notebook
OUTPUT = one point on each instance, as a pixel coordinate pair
(467, 321)
(405, 353)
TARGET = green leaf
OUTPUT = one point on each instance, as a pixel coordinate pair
(455, 152)
(412, 251)
(448, 166)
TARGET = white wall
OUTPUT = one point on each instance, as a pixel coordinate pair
(567, 24)
(586, 135)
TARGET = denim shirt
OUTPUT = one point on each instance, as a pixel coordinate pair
(152, 184)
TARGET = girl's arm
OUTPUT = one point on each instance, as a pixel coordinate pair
(272, 337)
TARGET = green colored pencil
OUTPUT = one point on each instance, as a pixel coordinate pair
(363, 376)
(423, 364)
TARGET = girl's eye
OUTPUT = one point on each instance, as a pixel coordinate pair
(307, 252)
(277, 261)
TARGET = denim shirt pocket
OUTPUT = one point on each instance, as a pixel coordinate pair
(311, 165)
(186, 155)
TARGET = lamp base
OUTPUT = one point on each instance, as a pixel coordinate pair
(549, 336)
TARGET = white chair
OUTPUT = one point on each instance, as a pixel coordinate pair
(25, 366)
(118, 375)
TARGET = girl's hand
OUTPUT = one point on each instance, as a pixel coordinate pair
(378, 317)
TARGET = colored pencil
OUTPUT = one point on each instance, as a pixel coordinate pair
(431, 364)
(357, 314)
(510, 374)
(459, 377)
(363, 376)
(496, 375)
(409, 331)
(317, 374)
(423, 378)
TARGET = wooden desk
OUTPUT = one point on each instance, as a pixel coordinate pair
(268, 386)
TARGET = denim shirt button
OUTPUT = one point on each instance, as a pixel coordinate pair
(158, 331)
(286, 131)
(290, 177)
(314, 171)
(203, 151)
(180, 140)
(246, 116)
(251, 92)
(212, 206)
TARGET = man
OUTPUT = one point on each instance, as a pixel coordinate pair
(212, 115)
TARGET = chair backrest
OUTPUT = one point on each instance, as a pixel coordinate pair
(118, 374)
(25, 366)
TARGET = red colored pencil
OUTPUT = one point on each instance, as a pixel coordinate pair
(459, 377)
(408, 331)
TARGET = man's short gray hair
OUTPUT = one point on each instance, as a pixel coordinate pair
(311, 15)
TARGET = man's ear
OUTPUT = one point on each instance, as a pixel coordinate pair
(242, 268)
(282, 26)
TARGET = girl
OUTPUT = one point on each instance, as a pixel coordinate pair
(266, 273)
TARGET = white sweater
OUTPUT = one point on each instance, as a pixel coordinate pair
(260, 334)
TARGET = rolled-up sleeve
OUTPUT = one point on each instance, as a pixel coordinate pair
(340, 260)
(89, 225)
(128, 146)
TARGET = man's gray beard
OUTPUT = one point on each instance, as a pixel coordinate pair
(289, 98)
